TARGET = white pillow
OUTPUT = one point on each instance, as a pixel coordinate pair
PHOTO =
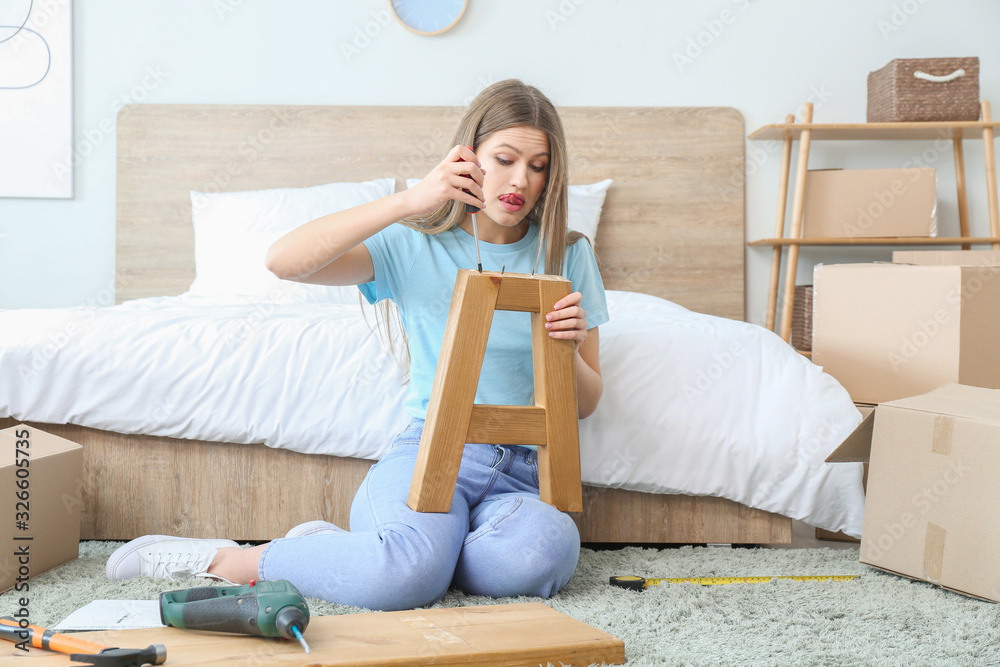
(233, 230)
(585, 203)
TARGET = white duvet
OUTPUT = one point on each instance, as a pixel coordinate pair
(692, 404)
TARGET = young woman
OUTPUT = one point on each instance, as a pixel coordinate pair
(498, 539)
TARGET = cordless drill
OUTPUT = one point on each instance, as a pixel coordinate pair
(262, 608)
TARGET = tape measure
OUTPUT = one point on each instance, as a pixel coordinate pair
(635, 583)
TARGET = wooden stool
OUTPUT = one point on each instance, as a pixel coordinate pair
(453, 418)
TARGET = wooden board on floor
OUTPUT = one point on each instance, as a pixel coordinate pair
(511, 634)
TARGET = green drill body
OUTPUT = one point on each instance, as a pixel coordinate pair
(264, 608)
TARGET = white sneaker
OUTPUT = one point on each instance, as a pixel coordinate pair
(314, 528)
(165, 556)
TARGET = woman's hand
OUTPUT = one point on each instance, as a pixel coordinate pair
(568, 320)
(446, 181)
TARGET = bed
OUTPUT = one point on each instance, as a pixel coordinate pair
(671, 228)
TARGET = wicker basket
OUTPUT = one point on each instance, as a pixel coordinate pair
(924, 89)
(802, 318)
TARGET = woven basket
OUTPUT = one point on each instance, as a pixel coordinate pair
(802, 318)
(924, 89)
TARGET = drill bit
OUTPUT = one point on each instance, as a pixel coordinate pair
(469, 208)
(302, 640)
(475, 233)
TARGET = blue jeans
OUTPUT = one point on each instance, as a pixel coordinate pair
(498, 540)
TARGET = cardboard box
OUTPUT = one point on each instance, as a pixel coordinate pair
(947, 257)
(887, 331)
(930, 510)
(865, 203)
(43, 495)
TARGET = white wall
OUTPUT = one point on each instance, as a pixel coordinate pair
(764, 58)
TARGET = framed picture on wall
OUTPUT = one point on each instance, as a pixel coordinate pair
(36, 99)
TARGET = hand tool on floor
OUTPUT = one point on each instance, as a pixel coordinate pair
(81, 650)
(260, 608)
(469, 208)
(635, 583)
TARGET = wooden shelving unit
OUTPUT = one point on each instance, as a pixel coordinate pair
(807, 131)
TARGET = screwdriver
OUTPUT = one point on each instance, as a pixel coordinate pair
(469, 208)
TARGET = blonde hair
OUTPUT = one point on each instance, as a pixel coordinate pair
(503, 105)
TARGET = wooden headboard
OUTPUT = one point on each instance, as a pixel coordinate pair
(672, 223)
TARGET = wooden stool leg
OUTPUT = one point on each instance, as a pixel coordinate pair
(555, 370)
(454, 393)
(453, 417)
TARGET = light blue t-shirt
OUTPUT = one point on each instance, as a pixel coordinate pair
(417, 272)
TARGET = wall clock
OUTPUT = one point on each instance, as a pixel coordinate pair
(428, 17)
